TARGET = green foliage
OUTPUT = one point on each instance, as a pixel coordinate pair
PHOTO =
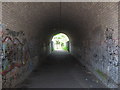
(65, 48)
(103, 75)
(52, 49)
(60, 41)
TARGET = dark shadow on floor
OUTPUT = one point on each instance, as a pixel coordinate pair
(61, 70)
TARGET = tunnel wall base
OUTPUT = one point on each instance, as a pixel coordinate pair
(102, 60)
(97, 72)
(101, 56)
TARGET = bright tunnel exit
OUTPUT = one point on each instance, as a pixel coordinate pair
(60, 42)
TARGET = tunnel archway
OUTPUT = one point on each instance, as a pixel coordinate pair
(60, 42)
(86, 24)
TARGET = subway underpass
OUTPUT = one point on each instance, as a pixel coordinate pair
(28, 44)
(61, 70)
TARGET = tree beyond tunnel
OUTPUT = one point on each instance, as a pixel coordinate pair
(60, 42)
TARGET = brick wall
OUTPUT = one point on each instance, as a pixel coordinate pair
(119, 38)
(92, 28)
(22, 47)
(99, 49)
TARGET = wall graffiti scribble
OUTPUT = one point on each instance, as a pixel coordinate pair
(15, 55)
(107, 57)
(112, 49)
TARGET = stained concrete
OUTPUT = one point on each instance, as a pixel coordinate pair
(61, 70)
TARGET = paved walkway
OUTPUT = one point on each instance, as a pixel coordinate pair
(61, 70)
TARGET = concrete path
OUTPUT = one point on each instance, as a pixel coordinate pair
(61, 70)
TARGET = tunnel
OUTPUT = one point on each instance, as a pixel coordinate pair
(27, 58)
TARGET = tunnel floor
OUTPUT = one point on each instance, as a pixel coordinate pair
(61, 70)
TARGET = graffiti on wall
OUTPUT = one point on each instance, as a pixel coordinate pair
(111, 46)
(102, 52)
(15, 55)
(112, 49)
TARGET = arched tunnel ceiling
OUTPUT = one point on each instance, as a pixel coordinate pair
(46, 19)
